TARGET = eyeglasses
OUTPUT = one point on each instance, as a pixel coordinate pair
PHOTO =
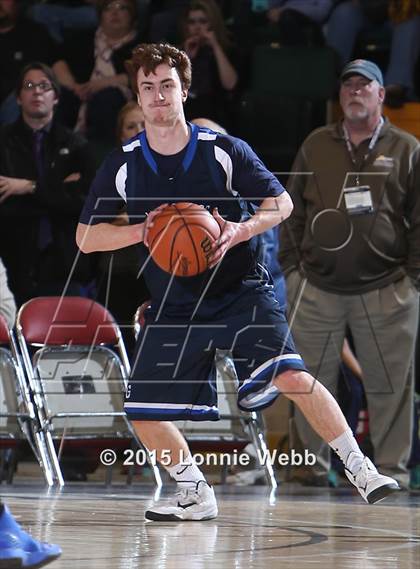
(116, 6)
(198, 21)
(44, 86)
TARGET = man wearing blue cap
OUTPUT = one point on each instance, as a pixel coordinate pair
(351, 254)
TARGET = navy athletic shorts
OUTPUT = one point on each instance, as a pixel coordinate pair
(174, 376)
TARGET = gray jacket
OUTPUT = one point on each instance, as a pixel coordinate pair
(353, 254)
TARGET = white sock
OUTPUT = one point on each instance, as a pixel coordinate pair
(186, 473)
(348, 450)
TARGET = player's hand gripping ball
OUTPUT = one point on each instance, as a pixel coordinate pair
(181, 238)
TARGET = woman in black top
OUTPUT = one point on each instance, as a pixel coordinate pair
(214, 78)
(92, 72)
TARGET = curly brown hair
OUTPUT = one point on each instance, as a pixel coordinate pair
(149, 55)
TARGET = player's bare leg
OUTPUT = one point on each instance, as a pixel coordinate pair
(164, 438)
(195, 499)
(326, 418)
(315, 401)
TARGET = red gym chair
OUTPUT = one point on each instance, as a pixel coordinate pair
(75, 357)
(18, 418)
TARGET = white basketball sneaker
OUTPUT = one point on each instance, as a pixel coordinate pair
(193, 504)
(372, 485)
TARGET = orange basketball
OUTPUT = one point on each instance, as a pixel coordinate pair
(181, 238)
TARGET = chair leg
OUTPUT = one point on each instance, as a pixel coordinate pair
(2, 465)
(223, 474)
(132, 467)
(258, 440)
(55, 464)
(130, 475)
(43, 459)
(11, 464)
(108, 476)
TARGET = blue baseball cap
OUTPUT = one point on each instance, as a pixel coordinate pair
(365, 68)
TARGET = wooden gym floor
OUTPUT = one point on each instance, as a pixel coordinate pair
(299, 528)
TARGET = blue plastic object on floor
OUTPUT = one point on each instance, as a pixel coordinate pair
(18, 550)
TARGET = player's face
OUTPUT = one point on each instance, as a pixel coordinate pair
(161, 96)
(197, 23)
(37, 97)
(133, 123)
(360, 98)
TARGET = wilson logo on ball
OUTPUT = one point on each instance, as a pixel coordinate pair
(206, 245)
(181, 239)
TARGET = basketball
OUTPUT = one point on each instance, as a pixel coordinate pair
(181, 239)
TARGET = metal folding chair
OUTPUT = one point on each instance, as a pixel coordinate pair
(18, 418)
(236, 428)
(74, 355)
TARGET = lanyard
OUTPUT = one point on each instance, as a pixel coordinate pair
(372, 143)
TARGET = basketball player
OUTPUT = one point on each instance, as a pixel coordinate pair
(18, 549)
(231, 306)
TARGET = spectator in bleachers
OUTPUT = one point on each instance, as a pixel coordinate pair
(164, 18)
(287, 22)
(214, 79)
(92, 74)
(350, 17)
(21, 41)
(130, 121)
(351, 255)
(61, 17)
(45, 171)
(207, 123)
(299, 21)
